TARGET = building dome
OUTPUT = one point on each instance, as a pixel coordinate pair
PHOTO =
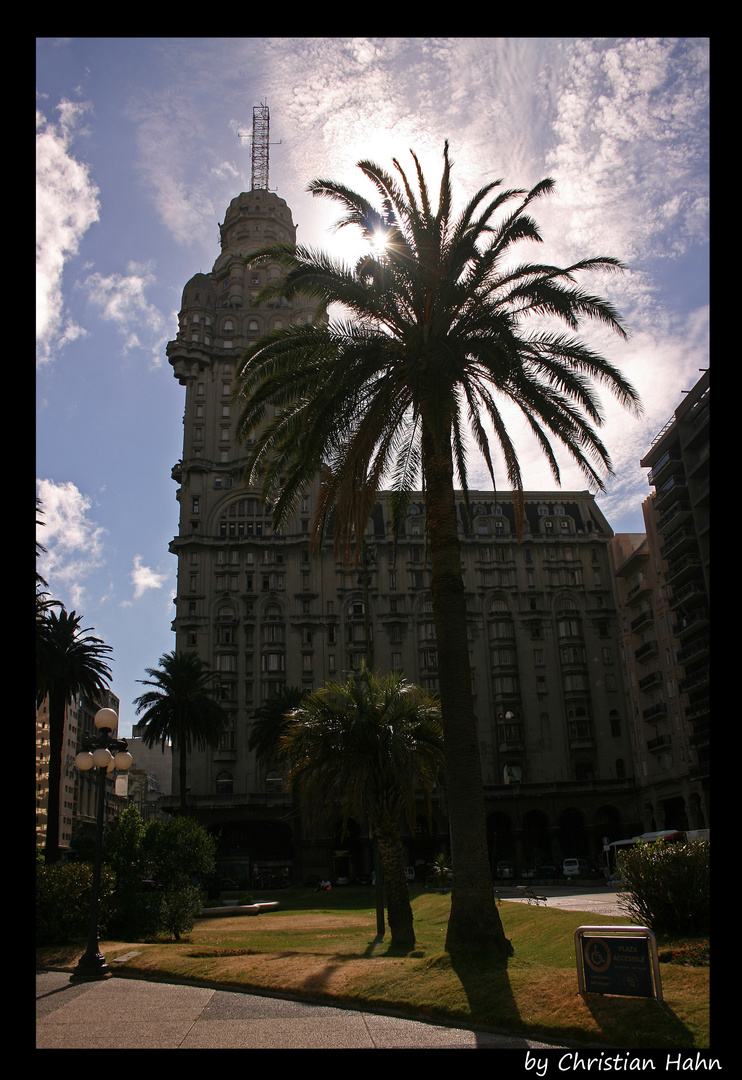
(199, 293)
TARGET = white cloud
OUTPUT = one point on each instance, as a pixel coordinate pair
(145, 578)
(121, 300)
(66, 206)
(75, 545)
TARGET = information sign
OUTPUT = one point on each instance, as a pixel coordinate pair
(617, 960)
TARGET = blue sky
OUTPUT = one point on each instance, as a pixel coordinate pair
(139, 152)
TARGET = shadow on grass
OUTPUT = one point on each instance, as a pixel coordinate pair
(638, 1022)
(486, 984)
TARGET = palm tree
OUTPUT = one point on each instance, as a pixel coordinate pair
(272, 722)
(366, 748)
(180, 709)
(443, 328)
(69, 662)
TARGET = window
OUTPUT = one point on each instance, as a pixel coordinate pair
(224, 782)
(274, 662)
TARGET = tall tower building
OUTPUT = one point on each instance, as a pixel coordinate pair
(267, 611)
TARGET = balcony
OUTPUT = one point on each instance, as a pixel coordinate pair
(681, 569)
(638, 591)
(655, 711)
(679, 511)
(701, 736)
(642, 620)
(671, 490)
(695, 649)
(695, 680)
(687, 625)
(678, 541)
(662, 742)
(647, 649)
(660, 469)
(692, 593)
(654, 679)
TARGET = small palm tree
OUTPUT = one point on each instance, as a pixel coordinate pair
(367, 748)
(178, 708)
(272, 722)
(441, 330)
(69, 662)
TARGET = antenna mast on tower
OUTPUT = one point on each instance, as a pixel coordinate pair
(260, 136)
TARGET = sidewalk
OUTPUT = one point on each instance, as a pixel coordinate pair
(129, 1014)
(597, 899)
(123, 1013)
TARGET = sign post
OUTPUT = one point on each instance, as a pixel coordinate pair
(618, 960)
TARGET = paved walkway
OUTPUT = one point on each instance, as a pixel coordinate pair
(129, 1014)
(596, 899)
(122, 1013)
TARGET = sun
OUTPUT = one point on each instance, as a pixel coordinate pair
(379, 242)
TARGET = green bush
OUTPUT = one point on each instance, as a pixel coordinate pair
(173, 854)
(180, 906)
(135, 914)
(63, 901)
(667, 886)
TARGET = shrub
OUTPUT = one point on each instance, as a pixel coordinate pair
(667, 886)
(63, 901)
(180, 906)
(135, 914)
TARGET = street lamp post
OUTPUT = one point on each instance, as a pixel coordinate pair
(105, 754)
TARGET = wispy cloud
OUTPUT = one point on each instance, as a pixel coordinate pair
(75, 545)
(67, 204)
(121, 299)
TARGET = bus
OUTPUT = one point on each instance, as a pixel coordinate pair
(670, 836)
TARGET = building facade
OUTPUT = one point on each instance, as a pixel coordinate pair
(266, 610)
(78, 790)
(671, 629)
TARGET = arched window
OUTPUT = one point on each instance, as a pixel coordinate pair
(224, 783)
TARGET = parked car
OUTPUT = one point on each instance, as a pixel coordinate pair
(528, 872)
(574, 868)
(409, 873)
(548, 870)
(505, 869)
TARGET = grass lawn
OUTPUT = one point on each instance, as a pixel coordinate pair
(323, 946)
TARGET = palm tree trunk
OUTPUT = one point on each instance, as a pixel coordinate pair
(399, 911)
(474, 924)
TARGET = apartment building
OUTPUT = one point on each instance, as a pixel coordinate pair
(670, 631)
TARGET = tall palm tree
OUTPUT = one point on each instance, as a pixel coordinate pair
(366, 748)
(179, 708)
(443, 327)
(69, 662)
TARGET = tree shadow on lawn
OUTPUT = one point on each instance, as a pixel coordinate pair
(638, 1022)
(627, 1022)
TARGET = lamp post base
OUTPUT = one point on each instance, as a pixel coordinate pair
(91, 966)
